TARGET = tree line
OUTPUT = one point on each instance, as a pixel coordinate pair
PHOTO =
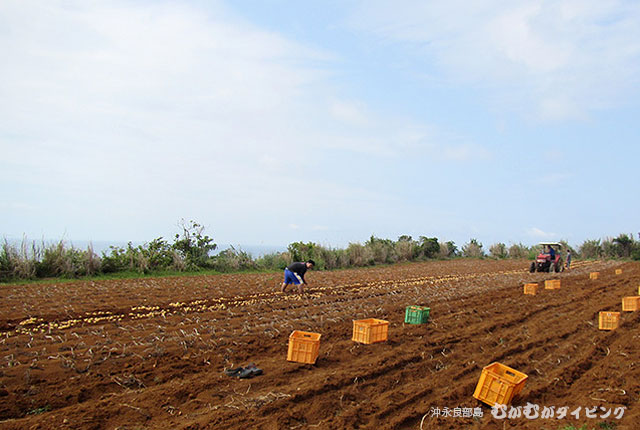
(191, 250)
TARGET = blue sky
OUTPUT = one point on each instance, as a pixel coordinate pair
(328, 121)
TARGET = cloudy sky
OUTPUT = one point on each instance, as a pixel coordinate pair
(273, 121)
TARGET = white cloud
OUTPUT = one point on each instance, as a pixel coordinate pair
(349, 112)
(540, 234)
(465, 152)
(155, 111)
(548, 60)
(396, 137)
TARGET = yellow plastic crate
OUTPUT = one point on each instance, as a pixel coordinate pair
(618, 271)
(608, 320)
(552, 284)
(499, 384)
(594, 275)
(531, 289)
(631, 303)
(304, 347)
(639, 290)
(370, 330)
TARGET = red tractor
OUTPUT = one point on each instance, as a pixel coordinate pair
(549, 260)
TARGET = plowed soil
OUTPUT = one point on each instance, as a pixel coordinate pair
(150, 353)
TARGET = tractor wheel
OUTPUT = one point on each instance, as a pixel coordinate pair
(532, 268)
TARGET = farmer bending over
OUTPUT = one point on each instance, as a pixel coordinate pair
(294, 274)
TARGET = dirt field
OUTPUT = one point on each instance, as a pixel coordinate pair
(150, 353)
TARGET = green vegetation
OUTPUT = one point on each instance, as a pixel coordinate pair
(600, 426)
(39, 411)
(191, 252)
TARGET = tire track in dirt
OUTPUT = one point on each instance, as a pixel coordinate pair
(397, 382)
(472, 334)
(574, 371)
(390, 371)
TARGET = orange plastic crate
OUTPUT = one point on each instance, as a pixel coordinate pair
(594, 275)
(499, 384)
(370, 330)
(303, 347)
(631, 303)
(618, 271)
(608, 320)
(552, 284)
(531, 289)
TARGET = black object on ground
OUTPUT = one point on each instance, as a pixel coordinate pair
(249, 371)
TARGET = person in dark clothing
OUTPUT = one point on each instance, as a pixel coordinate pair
(294, 274)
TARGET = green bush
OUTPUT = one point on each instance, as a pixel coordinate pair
(5, 262)
(590, 249)
(428, 247)
(274, 261)
(193, 246)
(68, 262)
(123, 260)
(159, 254)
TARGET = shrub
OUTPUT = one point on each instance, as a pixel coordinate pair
(5, 262)
(274, 261)
(115, 261)
(328, 257)
(301, 251)
(590, 249)
(609, 248)
(518, 251)
(126, 259)
(473, 249)
(20, 264)
(406, 249)
(233, 259)
(498, 250)
(159, 254)
(359, 255)
(624, 245)
(382, 250)
(430, 248)
(342, 258)
(193, 246)
(447, 250)
(58, 260)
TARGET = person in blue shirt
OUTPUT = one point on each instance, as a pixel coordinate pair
(294, 274)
